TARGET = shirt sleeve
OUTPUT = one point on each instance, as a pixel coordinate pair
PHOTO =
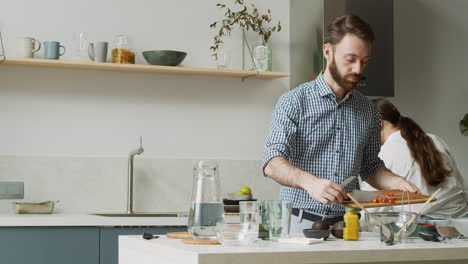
(283, 129)
(370, 159)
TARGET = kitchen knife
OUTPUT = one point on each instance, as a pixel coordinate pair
(365, 195)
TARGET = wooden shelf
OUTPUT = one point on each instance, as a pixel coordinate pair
(141, 68)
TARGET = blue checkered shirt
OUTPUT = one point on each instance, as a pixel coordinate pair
(327, 139)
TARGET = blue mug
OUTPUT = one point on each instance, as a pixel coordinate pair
(52, 50)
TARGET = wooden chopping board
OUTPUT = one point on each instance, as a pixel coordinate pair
(200, 242)
(179, 235)
(414, 198)
(187, 238)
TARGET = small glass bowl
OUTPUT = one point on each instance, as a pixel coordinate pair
(235, 234)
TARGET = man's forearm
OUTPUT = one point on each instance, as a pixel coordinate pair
(280, 170)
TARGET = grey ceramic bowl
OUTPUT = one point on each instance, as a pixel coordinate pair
(312, 233)
(164, 57)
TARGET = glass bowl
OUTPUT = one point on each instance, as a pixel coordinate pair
(461, 224)
(235, 234)
(394, 221)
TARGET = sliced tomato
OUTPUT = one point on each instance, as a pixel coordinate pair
(374, 200)
(385, 200)
(391, 200)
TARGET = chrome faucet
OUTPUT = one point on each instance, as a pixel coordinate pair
(130, 176)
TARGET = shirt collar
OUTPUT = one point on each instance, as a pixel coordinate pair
(323, 89)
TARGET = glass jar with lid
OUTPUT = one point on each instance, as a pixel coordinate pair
(122, 52)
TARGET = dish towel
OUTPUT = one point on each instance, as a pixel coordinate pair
(299, 240)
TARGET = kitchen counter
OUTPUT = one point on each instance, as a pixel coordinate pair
(58, 219)
(369, 249)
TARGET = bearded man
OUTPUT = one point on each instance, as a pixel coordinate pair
(325, 131)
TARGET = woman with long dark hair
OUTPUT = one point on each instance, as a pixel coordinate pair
(422, 159)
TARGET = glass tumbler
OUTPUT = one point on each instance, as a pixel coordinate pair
(279, 218)
(248, 211)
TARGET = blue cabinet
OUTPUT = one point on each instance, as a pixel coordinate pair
(109, 239)
(49, 245)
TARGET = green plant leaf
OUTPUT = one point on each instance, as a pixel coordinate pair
(464, 125)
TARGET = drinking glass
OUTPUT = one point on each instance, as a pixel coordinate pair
(249, 216)
(279, 218)
(223, 60)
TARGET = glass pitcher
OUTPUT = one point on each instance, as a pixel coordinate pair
(207, 206)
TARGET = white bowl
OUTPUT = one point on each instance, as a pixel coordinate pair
(461, 224)
(235, 234)
(239, 197)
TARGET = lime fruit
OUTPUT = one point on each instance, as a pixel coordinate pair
(245, 190)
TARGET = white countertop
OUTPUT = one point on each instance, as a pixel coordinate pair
(62, 219)
(134, 249)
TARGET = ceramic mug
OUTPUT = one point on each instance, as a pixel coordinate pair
(98, 51)
(25, 47)
(52, 50)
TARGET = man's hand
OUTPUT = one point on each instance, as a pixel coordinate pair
(323, 190)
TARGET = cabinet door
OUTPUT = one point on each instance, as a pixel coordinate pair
(49, 245)
(109, 243)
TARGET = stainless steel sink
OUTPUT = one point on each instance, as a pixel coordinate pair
(143, 214)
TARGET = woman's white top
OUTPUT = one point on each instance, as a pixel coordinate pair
(452, 200)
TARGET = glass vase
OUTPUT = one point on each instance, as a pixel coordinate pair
(262, 56)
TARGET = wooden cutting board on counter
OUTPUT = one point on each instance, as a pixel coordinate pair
(179, 235)
(414, 198)
(187, 238)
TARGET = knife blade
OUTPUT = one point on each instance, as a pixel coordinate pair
(365, 195)
(347, 181)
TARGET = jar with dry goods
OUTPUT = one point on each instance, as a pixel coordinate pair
(122, 52)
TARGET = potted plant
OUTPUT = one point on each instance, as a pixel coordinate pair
(464, 125)
(248, 18)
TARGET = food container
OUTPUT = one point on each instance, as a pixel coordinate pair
(394, 221)
(235, 234)
(46, 207)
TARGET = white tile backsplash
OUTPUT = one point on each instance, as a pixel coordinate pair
(99, 184)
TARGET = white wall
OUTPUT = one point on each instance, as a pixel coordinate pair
(66, 133)
(71, 112)
(431, 62)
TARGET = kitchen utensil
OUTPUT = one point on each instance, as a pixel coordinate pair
(414, 198)
(164, 57)
(365, 195)
(200, 242)
(149, 236)
(239, 197)
(206, 209)
(236, 234)
(98, 51)
(461, 224)
(393, 220)
(413, 218)
(52, 50)
(122, 53)
(314, 233)
(386, 232)
(300, 240)
(279, 218)
(179, 235)
(26, 47)
(343, 184)
(46, 207)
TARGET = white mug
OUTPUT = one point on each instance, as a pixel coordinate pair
(25, 47)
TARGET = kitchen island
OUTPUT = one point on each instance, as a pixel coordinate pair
(369, 249)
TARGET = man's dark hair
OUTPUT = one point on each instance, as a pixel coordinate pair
(348, 24)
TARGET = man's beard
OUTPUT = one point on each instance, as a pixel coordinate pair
(342, 81)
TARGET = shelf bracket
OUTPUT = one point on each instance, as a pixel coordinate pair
(251, 75)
